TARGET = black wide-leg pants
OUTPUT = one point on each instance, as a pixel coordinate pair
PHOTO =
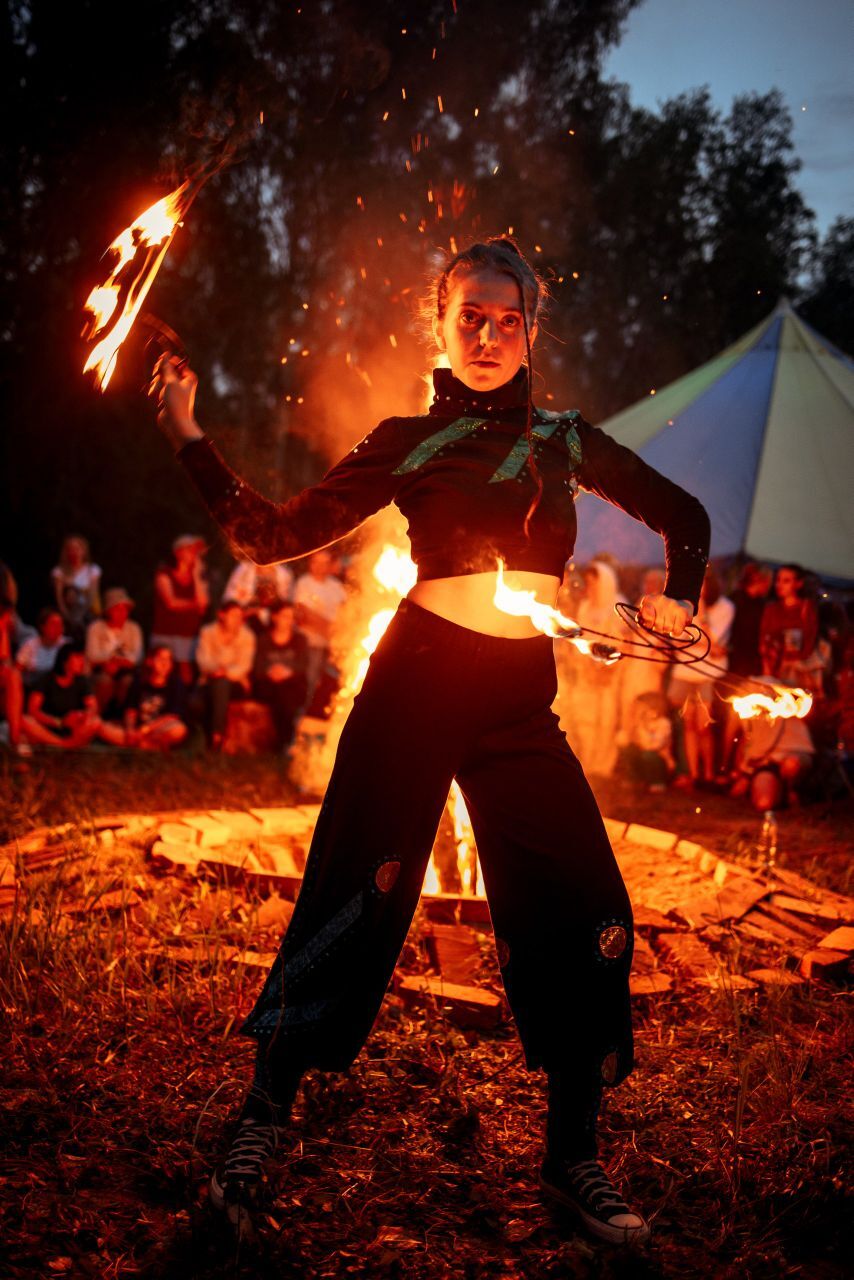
(440, 702)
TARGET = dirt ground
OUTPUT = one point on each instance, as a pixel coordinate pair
(122, 1066)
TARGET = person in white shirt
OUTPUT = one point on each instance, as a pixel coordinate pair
(224, 656)
(76, 583)
(36, 656)
(242, 584)
(114, 649)
(318, 596)
(692, 687)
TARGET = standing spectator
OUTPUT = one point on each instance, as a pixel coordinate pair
(36, 656)
(62, 711)
(318, 596)
(114, 648)
(790, 620)
(76, 585)
(11, 683)
(749, 599)
(591, 721)
(154, 712)
(639, 678)
(180, 602)
(225, 656)
(279, 680)
(246, 578)
(692, 686)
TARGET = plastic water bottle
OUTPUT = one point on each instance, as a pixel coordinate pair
(768, 840)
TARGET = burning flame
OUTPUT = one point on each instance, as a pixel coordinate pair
(524, 604)
(147, 240)
(786, 704)
(396, 573)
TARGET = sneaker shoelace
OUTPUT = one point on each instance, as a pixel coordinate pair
(254, 1143)
(596, 1188)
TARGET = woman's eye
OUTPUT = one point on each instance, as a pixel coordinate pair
(510, 322)
(469, 317)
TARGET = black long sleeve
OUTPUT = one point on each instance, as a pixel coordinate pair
(269, 532)
(618, 475)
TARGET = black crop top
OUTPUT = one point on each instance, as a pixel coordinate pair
(460, 476)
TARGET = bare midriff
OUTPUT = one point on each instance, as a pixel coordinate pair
(467, 600)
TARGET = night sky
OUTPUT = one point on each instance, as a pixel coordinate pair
(804, 49)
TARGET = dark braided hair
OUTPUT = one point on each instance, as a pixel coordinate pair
(500, 253)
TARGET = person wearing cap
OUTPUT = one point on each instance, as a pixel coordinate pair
(114, 649)
(181, 599)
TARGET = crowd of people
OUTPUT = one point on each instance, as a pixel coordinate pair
(673, 723)
(84, 671)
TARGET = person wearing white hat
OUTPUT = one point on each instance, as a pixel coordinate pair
(114, 649)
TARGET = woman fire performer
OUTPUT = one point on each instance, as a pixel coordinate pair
(458, 689)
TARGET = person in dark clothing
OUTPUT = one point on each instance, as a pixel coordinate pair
(458, 688)
(749, 598)
(155, 712)
(62, 710)
(279, 675)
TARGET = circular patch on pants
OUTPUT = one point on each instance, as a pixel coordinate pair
(386, 875)
(612, 941)
(502, 950)
(609, 1068)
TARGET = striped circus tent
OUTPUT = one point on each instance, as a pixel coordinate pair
(763, 434)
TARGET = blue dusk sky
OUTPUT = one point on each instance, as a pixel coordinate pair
(805, 48)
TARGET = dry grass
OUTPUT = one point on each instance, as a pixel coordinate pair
(121, 1065)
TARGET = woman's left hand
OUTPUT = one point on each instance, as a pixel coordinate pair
(668, 617)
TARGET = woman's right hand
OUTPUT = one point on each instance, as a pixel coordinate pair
(174, 385)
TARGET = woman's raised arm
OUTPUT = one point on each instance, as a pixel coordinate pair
(263, 531)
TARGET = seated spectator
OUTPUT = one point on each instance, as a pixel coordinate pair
(692, 685)
(318, 596)
(279, 679)
(774, 755)
(62, 711)
(648, 755)
(36, 656)
(249, 582)
(114, 649)
(154, 709)
(11, 683)
(76, 584)
(180, 602)
(9, 591)
(225, 654)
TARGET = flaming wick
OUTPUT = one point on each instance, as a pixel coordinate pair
(139, 252)
(786, 704)
(524, 604)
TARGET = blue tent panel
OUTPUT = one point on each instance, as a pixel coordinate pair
(712, 450)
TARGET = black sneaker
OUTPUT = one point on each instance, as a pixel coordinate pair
(234, 1185)
(589, 1192)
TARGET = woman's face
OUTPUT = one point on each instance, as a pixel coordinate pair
(482, 330)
